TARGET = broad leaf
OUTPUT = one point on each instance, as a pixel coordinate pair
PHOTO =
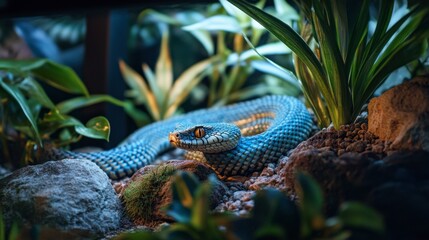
(98, 128)
(357, 215)
(54, 74)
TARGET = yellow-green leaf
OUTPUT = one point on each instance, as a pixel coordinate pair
(136, 81)
(164, 69)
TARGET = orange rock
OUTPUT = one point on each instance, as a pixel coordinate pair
(401, 115)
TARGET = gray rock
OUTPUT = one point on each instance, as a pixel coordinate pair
(3, 172)
(67, 195)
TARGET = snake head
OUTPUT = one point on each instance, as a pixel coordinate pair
(208, 138)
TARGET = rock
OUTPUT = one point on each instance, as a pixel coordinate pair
(149, 190)
(397, 186)
(3, 172)
(404, 207)
(66, 195)
(401, 114)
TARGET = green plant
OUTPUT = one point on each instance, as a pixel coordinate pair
(29, 118)
(229, 80)
(239, 73)
(140, 196)
(274, 216)
(161, 95)
(13, 232)
(337, 61)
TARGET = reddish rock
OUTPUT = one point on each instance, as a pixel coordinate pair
(401, 114)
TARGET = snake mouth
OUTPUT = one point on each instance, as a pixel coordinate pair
(173, 139)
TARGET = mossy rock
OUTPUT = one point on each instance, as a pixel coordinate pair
(149, 192)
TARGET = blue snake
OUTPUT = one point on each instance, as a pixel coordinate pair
(237, 139)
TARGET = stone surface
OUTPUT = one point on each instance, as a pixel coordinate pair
(67, 195)
(401, 114)
(163, 195)
(4, 172)
(395, 183)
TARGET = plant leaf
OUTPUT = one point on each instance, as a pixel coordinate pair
(200, 209)
(334, 68)
(357, 215)
(98, 128)
(266, 49)
(157, 16)
(54, 74)
(17, 96)
(36, 92)
(311, 204)
(72, 104)
(205, 39)
(216, 23)
(289, 37)
(164, 68)
(268, 68)
(234, 11)
(181, 85)
(136, 81)
(184, 187)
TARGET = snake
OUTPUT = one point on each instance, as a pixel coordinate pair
(233, 140)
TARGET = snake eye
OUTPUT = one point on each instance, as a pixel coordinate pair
(199, 132)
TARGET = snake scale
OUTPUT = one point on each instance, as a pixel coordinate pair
(233, 140)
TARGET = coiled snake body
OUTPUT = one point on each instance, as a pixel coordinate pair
(270, 126)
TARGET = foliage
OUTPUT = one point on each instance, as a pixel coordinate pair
(339, 64)
(228, 78)
(10, 234)
(139, 196)
(29, 117)
(274, 216)
(161, 95)
(219, 30)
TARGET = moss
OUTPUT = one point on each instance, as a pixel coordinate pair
(141, 196)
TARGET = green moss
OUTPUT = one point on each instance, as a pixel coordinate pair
(141, 197)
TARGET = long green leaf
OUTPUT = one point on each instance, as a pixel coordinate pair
(17, 96)
(379, 57)
(357, 41)
(339, 10)
(285, 34)
(368, 58)
(288, 36)
(334, 67)
(35, 91)
(69, 105)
